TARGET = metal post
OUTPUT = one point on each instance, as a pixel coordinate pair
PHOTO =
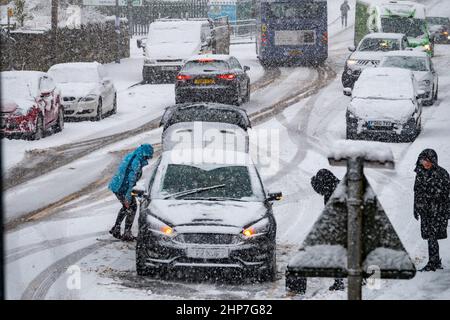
(117, 29)
(355, 189)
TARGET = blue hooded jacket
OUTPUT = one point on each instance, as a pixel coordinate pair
(130, 171)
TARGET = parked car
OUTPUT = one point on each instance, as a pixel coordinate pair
(422, 67)
(226, 223)
(440, 28)
(169, 43)
(385, 105)
(30, 105)
(215, 78)
(86, 90)
(369, 53)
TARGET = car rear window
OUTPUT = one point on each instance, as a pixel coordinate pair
(411, 63)
(205, 66)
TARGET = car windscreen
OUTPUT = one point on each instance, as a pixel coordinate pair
(411, 63)
(75, 74)
(408, 26)
(231, 182)
(296, 11)
(438, 21)
(205, 66)
(18, 87)
(204, 114)
(376, 44)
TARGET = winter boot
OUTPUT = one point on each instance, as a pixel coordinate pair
(115, 232)
(338, 285)
(430, 266)
(438, 264)
(128, 236)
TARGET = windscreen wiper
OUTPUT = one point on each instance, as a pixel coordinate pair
(216, 199)
(188, 192)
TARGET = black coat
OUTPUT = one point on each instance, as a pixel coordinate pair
(324, 183)
(431, 197)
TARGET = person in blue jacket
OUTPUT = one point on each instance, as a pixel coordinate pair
(123, 182)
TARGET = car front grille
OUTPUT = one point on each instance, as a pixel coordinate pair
(368, 63)
(206, 238)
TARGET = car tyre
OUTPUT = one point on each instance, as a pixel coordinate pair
(99, 115)
(270, 271)
(436, 94)
(247, 96)
(238, 98)
(60, 123)
(297, 285)
(39, 132)
(114, 109)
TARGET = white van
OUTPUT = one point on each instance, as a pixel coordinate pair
(170, 42)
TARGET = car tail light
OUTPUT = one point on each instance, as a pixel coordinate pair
(183, 77)
(325, 37)
(228, 76)
(205, 60)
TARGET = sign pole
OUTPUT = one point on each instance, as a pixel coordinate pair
(355, 190)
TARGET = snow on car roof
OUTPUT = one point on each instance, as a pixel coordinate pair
(406, 53)
(75, 65)
(222, 57)
(176, 24)
(384, 83)
(403, 8)
(205, 156)
(384, 35)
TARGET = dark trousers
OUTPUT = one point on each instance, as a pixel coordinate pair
(344, 20)
(124, 212)
(433, 250)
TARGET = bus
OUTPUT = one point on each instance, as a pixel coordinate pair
(291, 32)
(405, 17)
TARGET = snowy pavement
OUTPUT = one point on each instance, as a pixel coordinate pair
(44, 253)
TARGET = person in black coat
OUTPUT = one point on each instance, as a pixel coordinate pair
(324, 183)
(431, 204)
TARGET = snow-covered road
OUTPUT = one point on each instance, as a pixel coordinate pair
(44, 253)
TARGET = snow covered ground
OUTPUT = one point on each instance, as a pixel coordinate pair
(44, 254)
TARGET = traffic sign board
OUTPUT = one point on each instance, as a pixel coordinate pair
(324, 251)
(111, 2)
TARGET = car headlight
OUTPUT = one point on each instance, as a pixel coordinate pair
(426, 83)
(89, 98)
(18, 112)
(159, 227)
(259, 228)
(427, 47)
(351, 62)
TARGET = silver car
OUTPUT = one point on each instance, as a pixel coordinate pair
(86, 90)
(421, 66)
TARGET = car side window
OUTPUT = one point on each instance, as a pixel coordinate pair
(235, 63)
(46, 84)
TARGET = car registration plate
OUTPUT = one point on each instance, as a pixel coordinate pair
(204, 81)
(207, 253)
(379, 124)
(169, 68)
(295, 52)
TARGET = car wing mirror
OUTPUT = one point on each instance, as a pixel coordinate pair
(246, 68)
(274, 196)
(348, 92)
(139, 193)
(352, 48)
(106, 81)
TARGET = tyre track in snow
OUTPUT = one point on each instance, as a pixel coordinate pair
(41, 161)
(41, 284)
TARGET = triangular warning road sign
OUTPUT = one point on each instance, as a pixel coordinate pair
(324, 252)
